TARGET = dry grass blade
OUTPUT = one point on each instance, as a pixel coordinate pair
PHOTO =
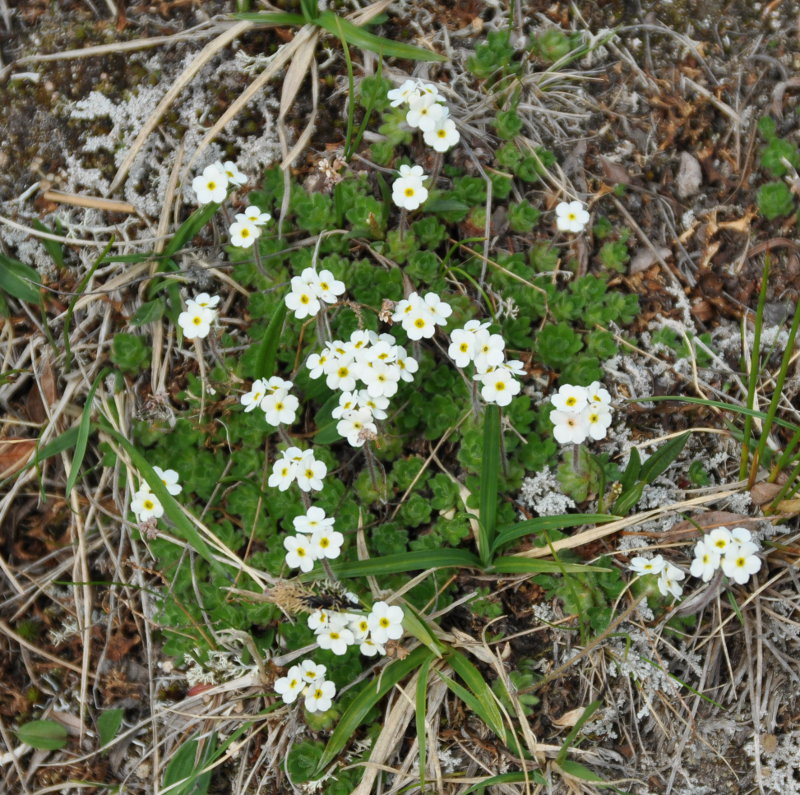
(202, 58)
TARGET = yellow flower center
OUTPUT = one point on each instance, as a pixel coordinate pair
(409, 191)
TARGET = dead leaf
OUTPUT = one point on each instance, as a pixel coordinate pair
(14, 454)
(646, 257)
(764, 492)
(689, 177)
(614, 173)
(706, 522)
(569, 718)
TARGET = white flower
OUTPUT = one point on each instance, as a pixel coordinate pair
(169, 478)
(428, 89)
(596, 419)
(669, 580)
(720, 538)
(290, 686)
(438, 308)
(327, 287)
(424, 113)
(596, 394)
(359, 626)
(400, 95)
(327, 544)
(310, 472)
(354, 425)
(408, 365)
(336, 638)
(244, 233)
(462, 347)
(499, 386)
(706, 560)
(377, 405)
(254, 216)
(196, 321)
(253, 398)
(341, 375)
(299, 553)
(204, 300)
(640, 565)
(314, 520)
(442, 136)
(385, 622)
(284, 470)
(302, 300)
(146, 505)
(568, 428)
(514, 366)
(369, 647)
(231, 171)
(382, 380)
(571, 217)
(280, 407)
(319, 696)
(311, 672)
(740, 561)
(741, 535)
(570, 398)
(316, 363)
(420, 316)
(489, 350)
(211, 185)
(408, 191)
(318, 620)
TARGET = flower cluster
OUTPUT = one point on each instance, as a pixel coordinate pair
(367, 369)
(309, 289)
(307, 679)
(571, 217)
(474, 345)
(731, 550)
(426, 112)
(338, 631)
(580, 412)
(200, 313)
(247, 227)
(315, 539)
(145, 505)
(408, 190)
(298, 465)
(419, 316)
(212, 185)
(273, 398)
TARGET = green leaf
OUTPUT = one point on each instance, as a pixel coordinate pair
(418, 560)
(542, 524)
(419, 717)
(268, 347)
(632, 470)
(184, 767)
(515, 564)
(368, 696)
(52, 247)
(19, 280)
(629, 498)
(188, 229)
(414, 625)
(506, 778)
(490, 474)
(108, 724)
(83, 433)
(662, 458)
(46, 735)
(359, 37)
(273, 18)
(573, 733)
(577, 770)
(487, 708)
(148, 312)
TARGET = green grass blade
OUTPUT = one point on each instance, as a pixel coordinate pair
(420, 716)
(52, 247)
(755, 366)
(417, 560)
(359, 37)
(83, 434)
(490, 477)
(369, 695)
(579, 771)
(415, 625)
(19, 280)
(273, 19)
(514, 564)
(542, 524)
(587, 713)
(268, 347)
(351, 105)
(183, 527)
(506, 778)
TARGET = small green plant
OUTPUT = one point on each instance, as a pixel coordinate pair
(130, 353)
(775, 200)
